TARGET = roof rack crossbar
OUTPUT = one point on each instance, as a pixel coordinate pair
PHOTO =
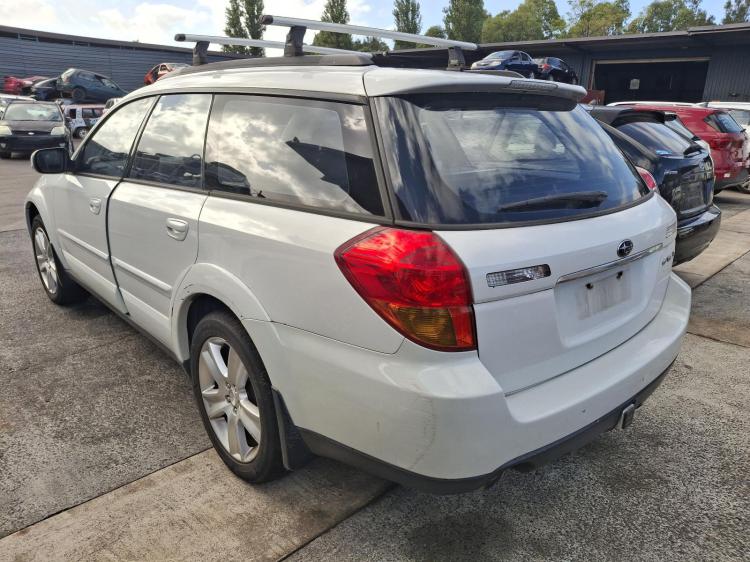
(200, 51)
(366, 31)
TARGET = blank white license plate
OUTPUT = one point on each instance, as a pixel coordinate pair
(596, 296)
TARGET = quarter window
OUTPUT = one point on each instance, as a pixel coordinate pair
(106, 151)
(171, 147)
(312, 153)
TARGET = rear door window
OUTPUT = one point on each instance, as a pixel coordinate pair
(106, 152)
(296, 152)
(657, 136)
(727, 123)
(170, 150)
(742, 116)
(494, 158)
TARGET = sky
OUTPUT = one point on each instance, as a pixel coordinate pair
(157, 21)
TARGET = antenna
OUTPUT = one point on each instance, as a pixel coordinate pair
(297, 28)
(200, 51)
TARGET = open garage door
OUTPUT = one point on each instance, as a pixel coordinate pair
(652, 80)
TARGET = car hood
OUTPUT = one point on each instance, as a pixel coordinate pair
(35, 126)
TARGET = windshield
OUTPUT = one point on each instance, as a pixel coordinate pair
(499, 55)
(659, 138)
(488, 158)
(31, 112)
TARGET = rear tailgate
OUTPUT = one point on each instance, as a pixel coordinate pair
(591, 302)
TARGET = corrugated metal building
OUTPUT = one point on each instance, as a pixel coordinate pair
(24, 52)
(700, 64)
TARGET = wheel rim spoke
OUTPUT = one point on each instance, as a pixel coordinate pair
(215, 401)
(212, 365)
(238, 446)
(249, 416)
(236, 372)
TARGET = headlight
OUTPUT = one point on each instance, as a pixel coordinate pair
(59, 130)
(5, 130)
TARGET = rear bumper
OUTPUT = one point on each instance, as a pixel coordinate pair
(440, 421)
(696, 233)
(28, 144)
(724, 183)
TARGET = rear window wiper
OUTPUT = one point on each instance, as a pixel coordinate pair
(692, 148)
(573, 200)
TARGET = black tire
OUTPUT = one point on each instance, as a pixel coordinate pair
(65, 290)
(80, 133)
(78, 94)
(4, 155)
(267, 462)
(744, 188)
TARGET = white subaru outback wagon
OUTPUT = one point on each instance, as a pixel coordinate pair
(430, 275)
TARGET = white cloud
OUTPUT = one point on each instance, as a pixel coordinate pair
(41, 13)
(150, 23)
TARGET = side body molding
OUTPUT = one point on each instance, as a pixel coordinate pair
(208, 279)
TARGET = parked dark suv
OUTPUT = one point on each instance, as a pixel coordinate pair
(552, 68)
(83, 85)
(682, 169)
(517, 61)
(27, 125)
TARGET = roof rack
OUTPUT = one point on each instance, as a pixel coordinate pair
(200, 51)
(297, 28)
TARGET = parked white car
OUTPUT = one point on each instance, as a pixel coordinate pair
(431, 275)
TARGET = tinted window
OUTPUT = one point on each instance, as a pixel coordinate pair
(171, 147)
(656, 136)
(91, 112)
(727, 123)
(106, 151)
(678, 126)
(298, 152)
(500, 55)
(496, 158)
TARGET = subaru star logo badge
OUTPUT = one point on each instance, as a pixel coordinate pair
(625, 247)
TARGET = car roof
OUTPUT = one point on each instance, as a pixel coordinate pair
(610, 114)
(358, 80)
(679, 109)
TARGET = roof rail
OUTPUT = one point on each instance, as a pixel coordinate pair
(297, 28)
(200, 51)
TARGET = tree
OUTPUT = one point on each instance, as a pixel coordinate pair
(463, 19)
(334, 12)
(234, 27)
(253, 11)
(435, 31)
(408, 19)
(736, 11)
(595, 18)
(370, 45)
(533, 19)
(670, 15)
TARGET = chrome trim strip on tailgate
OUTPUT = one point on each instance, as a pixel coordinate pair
(610, 265)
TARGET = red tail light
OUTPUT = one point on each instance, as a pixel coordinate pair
(415, 282)
(647, 177)
(545, 66)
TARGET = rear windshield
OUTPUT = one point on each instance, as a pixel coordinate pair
(490, 158)
(656, 136)
(742, 116)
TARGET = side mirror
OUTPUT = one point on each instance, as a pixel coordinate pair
(51, 160)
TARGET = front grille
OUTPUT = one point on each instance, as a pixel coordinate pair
(21, 132)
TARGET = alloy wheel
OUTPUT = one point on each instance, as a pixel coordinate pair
(45, 261)
(229, 400)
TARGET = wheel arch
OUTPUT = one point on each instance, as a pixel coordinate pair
(205, 288)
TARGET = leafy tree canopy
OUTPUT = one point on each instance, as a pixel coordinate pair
(335, 12)
(463, 19)
(408, 19)
(595, 18)
(670, 15)
(736, 11)
(533, 19)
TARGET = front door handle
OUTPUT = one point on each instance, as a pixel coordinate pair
(177, 228)
(95, 205)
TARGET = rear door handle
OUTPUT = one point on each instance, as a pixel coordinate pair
(177, 228)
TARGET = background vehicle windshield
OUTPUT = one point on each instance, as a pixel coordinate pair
(499, 55)
(659, 138)
(488, 158)
(31, 112)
